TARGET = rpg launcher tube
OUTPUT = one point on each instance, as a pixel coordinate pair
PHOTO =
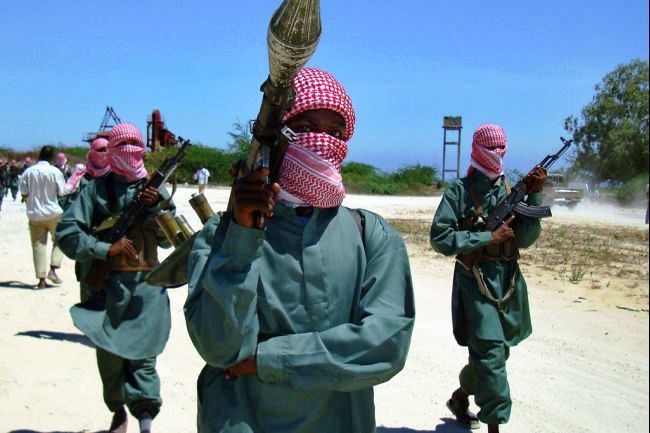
(170, 227)
(292, 38)
(201, 206)
(185, 227)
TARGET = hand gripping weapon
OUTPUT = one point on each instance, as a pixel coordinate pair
(101, 268)
(292, 37)
(514, 202)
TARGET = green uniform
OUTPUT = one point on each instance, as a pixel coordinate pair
(477, 321)
(3, 185)
(80, 266)
(328, 314)
(129, 321)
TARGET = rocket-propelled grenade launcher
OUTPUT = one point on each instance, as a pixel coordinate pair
(292, 38)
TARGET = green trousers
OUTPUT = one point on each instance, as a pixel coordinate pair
(485, 378)
(131, 382)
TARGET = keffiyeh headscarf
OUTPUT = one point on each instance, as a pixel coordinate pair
(489, 145)
(125, 151)
(311, 171)
(73, 182)
(97, 158)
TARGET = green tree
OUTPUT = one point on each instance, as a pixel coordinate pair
(240, 139)
(612, 133)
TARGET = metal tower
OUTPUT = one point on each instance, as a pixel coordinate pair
(451, 125)
(110, 119)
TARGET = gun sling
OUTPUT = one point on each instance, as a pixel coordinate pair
(505, 251)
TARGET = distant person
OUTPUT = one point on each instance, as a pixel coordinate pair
(3, 188)
(97, 167)
(489, 300)
(97, 159)
(27, 162)
(13, 179)
(647, 193)
(72, 184)
(62, 164)
(40, 186)
(201, 176)
(127, 319)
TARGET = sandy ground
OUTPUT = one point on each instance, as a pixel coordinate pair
(584, 369)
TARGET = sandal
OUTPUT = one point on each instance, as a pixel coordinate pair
(463, 416)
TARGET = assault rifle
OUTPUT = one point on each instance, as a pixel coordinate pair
(100, 268)
(514, 202)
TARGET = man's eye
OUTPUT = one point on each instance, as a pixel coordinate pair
(336, 134)
(304, 129)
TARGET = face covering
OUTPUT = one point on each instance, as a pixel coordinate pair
(97, 160)
(310, 174)
(311, 171)
(125, 151)
(127, 161)
(489, 145)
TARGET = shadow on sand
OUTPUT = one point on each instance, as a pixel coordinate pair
(57, 431)
(448, 425)
(59, 336)
(21, 285)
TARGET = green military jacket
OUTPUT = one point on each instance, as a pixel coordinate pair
(472, 313)
(128, 317)
(328, 314)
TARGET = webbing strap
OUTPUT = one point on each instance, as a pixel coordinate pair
(482, 287)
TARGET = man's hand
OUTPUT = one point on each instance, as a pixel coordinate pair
(535, 179)
(252, 196)
(123, 246)
(149, 197)
(247, 367)
(504, 232)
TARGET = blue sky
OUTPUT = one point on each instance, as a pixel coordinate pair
(526, 65)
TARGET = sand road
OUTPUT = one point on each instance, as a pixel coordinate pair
(584, 369)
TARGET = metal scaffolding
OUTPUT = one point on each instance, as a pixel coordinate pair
(450, 125)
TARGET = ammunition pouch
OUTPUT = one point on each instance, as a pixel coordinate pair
(504, 251)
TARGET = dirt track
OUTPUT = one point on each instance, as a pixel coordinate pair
(584, 369)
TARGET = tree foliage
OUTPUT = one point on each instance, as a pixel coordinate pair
(240, 139)
(612, 134)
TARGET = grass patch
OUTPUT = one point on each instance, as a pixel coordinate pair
(570, 252)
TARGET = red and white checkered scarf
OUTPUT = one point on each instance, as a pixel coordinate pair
(125, 151)
(489, 145)
(311, 171)
(96, 159)
(73, 181)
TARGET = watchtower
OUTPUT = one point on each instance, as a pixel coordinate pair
(451, 125)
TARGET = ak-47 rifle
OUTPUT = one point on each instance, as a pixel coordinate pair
(100, 269)
(514, 202)
(292, 38)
